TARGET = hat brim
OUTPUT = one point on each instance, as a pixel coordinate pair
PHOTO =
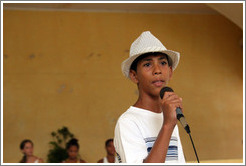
(126, 64)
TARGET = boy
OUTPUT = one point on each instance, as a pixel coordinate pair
(142, 134)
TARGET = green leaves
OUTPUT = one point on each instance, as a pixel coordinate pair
(53, 134)
(57, 155)
(58, 152)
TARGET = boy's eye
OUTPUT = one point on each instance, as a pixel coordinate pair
(163, 62)
(147, 64)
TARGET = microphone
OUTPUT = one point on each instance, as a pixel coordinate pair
(179, 113)
(180, 117)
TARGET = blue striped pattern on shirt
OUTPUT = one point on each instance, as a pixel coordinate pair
(172, 152)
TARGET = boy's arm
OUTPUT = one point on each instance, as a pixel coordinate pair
(159, 151)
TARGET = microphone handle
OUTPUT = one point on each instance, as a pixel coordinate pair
(181, 118)
(179, 113)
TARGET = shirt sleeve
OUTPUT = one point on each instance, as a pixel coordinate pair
(129, 143)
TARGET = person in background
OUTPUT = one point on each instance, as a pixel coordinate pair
(72, 148)
(26, 147)
(110, 158)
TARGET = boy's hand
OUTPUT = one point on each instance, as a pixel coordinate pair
(170, 102)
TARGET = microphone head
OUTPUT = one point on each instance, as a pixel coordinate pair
(165, 89)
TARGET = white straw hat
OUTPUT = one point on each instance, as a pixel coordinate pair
(145, 43)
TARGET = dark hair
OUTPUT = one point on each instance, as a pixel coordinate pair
(72, 142)
(108, 141)
(22, 145)
(135, 62)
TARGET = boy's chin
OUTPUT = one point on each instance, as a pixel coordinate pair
(156, 92)
(158, 89)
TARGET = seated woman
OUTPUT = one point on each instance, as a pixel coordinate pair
(72, 150)
(110, 158)
(26, 147)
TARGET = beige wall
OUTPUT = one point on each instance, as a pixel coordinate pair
(63, 68)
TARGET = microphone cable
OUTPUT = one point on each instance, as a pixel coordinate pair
(187, 129)
(194, 147)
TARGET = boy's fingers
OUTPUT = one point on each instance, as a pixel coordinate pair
(176, 104)
(174, 100)
(168, 94)
(173, 97)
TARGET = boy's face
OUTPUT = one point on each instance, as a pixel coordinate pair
(153, 73)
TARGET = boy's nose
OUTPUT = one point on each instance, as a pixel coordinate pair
(156, 70)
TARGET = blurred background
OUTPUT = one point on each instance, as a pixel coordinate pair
(62, 67)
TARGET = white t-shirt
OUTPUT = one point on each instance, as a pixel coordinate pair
(135, 135)
(105, 160)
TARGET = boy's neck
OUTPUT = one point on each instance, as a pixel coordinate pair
(147, 102)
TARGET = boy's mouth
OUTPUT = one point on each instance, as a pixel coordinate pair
(158, 83)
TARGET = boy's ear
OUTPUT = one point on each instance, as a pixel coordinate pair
(170, 72)
(133, 76)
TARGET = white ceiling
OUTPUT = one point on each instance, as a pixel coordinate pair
(233, 11)
(117, 7)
